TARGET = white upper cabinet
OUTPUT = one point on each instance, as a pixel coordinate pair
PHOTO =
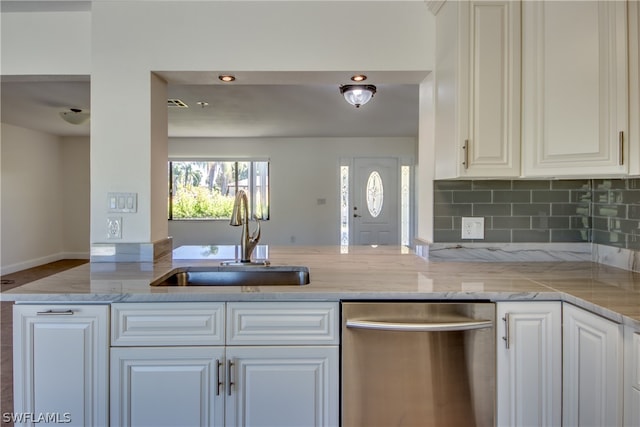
(634, 87)
(477, 127)
(537, 89)
(575, 96)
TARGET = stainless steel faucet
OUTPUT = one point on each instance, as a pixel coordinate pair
(240, 217)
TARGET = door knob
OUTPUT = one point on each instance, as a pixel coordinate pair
(356, 216)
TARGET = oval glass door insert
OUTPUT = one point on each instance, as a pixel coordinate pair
(375, 194)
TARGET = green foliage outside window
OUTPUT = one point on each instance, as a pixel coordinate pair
(206, 190)
(199, 202)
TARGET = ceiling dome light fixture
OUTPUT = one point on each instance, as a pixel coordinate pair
(227, 78)
(359, 78)
(357, 95)
(75, 116)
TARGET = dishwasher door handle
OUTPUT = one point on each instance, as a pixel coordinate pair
(420, 327)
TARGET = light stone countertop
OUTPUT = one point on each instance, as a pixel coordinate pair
(348, 273)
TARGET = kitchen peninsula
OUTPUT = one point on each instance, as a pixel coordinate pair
(338, 273)
(136, 330)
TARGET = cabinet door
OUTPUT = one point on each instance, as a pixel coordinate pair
(60, 362)
(162, 386)
(529, 363)
(592, 369)
(634, 88)
(631, 377)
(282, 386)
(478, 122)
(574, 88)
(490, 96)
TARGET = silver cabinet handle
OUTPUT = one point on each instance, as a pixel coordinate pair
(229, 375)
(465, 147)
(420, 327)
(55, 313)
(621, 147)
(217, 379)
(507, 332)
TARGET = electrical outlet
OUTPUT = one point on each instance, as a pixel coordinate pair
(472, 227)
(114, 228)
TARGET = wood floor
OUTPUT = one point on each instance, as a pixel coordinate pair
(10, 281)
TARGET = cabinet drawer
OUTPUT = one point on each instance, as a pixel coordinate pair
(168, 324)
(265, 323)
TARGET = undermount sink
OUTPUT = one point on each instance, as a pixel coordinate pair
(238, 275)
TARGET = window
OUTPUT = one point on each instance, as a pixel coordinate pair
(207, 189)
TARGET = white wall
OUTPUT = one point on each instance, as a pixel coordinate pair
(301, 172)
(131, 39)
(120, 44)
(75, 187)
(44, 198)
(45, 43)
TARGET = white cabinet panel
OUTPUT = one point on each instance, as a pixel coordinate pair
(201, 385)
(592, 369)
(529, 364)
(632, 414)
(631, 377)
(170, 324)
(60, 362)
(478, 89)
(634, 88)
(283, 386)
(282, 323)
(167, 386)
(574, 88)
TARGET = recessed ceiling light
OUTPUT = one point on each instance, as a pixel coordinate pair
(226, 78)
(359, 78)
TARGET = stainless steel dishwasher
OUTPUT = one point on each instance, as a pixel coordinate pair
(418, 364)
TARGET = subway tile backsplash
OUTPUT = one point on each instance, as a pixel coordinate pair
(603, 211)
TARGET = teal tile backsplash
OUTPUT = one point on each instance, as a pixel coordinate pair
(603, 211)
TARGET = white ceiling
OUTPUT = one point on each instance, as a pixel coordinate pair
(255, 105)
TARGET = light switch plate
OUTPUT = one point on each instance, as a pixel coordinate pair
(122, 202)
(473, 228)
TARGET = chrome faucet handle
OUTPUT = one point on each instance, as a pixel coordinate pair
(255, 236)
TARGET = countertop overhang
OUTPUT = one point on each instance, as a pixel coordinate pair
(351, 273)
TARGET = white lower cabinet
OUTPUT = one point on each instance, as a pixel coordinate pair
(592, 369)
(529, 363)
(281, 369)
(631, 377)
(60, 364)
(159, 386)
(282, 386)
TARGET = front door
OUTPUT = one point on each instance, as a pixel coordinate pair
(375, 203)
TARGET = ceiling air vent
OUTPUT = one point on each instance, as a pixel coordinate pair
(176, 103)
